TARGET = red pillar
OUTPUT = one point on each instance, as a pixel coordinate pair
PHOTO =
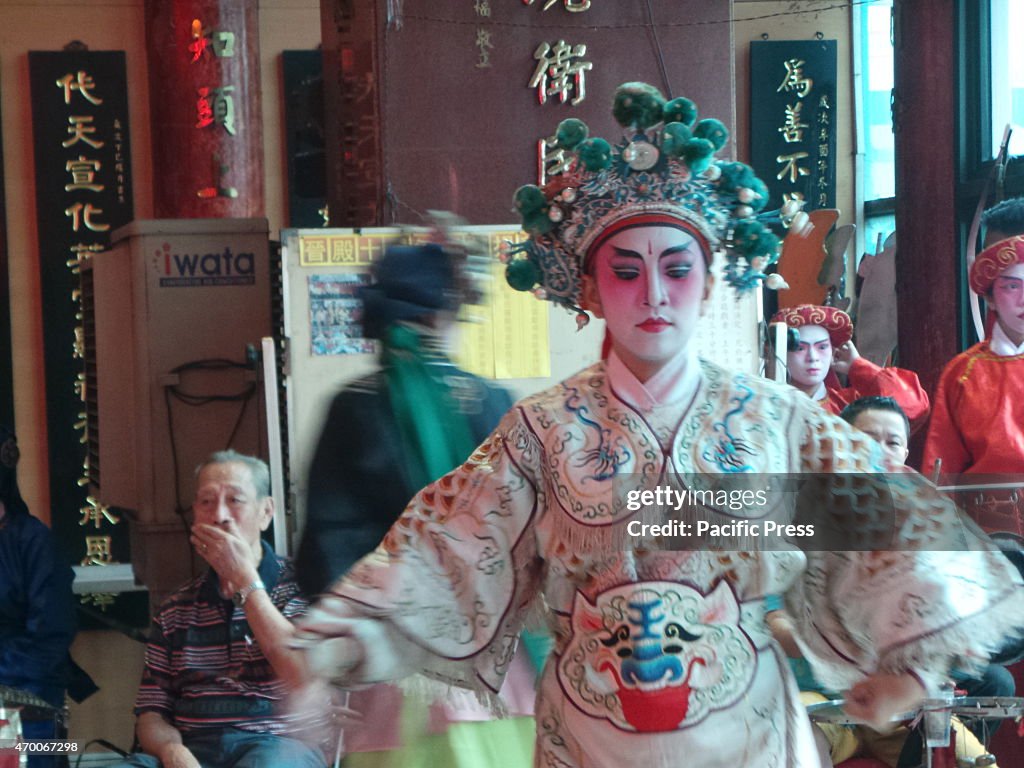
(928, 248)
(204, 95)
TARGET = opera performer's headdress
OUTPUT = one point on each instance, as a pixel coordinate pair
(832, 319)
(664, 171)
(993, 261)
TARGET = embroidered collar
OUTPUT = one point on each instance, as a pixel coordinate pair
(1001, 345)
(675, 382)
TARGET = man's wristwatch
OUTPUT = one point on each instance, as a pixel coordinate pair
(242, 595)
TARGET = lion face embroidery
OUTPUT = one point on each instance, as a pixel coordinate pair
(656, 656)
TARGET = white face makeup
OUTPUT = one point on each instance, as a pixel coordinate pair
(650, 284)
(809, 363)
(1007, 299)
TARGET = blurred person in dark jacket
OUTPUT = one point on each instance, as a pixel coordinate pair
(385, 435)
(37, 611)
(393, 431)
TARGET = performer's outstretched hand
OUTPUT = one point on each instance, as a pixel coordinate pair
(879, 698)
(332, 648)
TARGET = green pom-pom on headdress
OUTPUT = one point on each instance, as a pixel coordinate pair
(571, 133)
(538, 223)
(712, 130)
(595, 154)
(746, 235)
(638, 105)
(753, 239)
(680, 110)
(530, 200)
(522, 274)
(674, 138)
(761, 189)
(769, 245)
(736, 175)
(698, 154)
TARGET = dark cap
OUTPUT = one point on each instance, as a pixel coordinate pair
(409, 282)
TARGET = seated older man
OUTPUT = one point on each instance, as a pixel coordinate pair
(217, 665)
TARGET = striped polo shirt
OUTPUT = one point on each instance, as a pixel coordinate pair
(204, 667)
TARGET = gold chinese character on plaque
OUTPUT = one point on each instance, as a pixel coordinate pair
(83, 214)
(101, 600)
(557, 72)
(81, 128)
(81, 82)
(78, 348)
(370, 247)
(792, 166)
(83, 174)
(795, 79)
(81, 386)
(793, 130)
(552, 160)
(82, 253)
(97, 551)
(96, 512)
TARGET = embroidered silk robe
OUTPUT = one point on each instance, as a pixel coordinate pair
(661, 656)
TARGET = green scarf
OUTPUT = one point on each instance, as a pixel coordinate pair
(435, 434)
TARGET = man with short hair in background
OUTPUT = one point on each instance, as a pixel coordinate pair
(218, 666)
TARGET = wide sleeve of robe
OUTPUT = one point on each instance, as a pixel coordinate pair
(939, 594)
(869, 380)
(453, 580)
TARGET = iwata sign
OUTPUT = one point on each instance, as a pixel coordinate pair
(213, 267)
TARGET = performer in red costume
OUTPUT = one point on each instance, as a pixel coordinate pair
(977, 427)
(823, 347)
(978, 424)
